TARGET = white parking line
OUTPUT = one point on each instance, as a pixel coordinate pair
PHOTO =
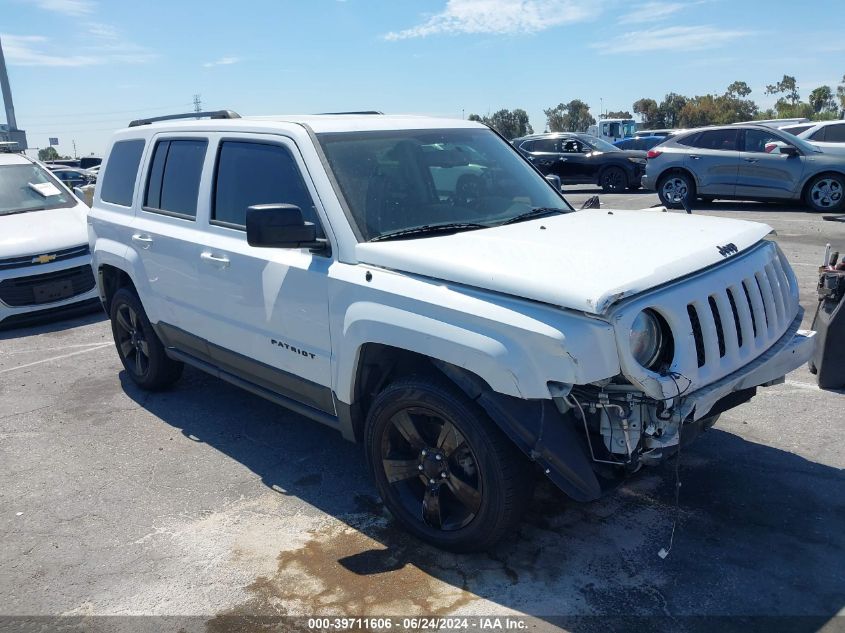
(47, 360)
(35, 350)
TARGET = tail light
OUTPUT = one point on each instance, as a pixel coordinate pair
(653, 153)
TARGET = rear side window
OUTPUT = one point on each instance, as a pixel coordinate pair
(819, 135)
(545, 145)
(724, 140)
(257, 173)
(174, 181)
(835, 133)
(118, 182)
(688, 141)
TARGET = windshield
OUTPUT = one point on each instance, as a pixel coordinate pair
(30, 188)
(405, 179)
(629, 128)
(600, 145)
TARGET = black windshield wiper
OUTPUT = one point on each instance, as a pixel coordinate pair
(430, 229)
(536, 212)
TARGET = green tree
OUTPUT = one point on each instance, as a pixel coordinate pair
(619, 114)
(788, 87)
(509, 123)
(569, 117)
(48, 153)
(649, 112)
(738, 90)
(821, 100)
(670, 109)
(840, 93)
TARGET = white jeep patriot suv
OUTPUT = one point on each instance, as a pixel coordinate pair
(418, 285)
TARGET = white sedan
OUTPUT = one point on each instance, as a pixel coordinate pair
(827, 135)
(45, 262)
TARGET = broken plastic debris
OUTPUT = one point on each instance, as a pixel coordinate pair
(663, 553)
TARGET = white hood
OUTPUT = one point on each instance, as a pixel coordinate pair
(42, 232)
(585, 260)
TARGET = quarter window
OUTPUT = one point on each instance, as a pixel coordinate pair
(258, 173)
(723, 140)
(121, 172)
(174, 181)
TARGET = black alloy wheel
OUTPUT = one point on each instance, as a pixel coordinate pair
(613, 180)
(445, 471)
(139, 348)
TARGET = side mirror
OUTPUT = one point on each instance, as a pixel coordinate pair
(280, 226)
(789, 150)
(554, 181)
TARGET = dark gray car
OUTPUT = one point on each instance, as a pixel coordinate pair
(745, 162)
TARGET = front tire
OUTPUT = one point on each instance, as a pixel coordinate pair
(613, 180)
(676, 189)
(826, 193)
(444, 470)
(138, 346)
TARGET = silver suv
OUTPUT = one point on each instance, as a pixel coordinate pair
(745, 162)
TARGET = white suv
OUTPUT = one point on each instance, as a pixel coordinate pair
(416, 284)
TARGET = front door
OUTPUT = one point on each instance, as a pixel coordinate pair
(265, 309)
(765, 174)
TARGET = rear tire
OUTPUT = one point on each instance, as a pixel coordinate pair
(445, 471)
(826, 193)
(675, 189)
(138, 346)
(613, 180)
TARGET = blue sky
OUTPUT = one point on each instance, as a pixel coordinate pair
(82, 68)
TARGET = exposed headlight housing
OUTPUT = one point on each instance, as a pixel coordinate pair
(648, 342)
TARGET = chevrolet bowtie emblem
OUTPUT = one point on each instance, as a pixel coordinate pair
(43, 259)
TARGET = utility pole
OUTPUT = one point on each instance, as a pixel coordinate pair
(197, 104)
(74, 149)
(16, 135)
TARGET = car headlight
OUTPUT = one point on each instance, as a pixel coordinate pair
(647, 340)
(638, 161)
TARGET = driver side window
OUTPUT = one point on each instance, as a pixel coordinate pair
(572, 146)
(758, 140)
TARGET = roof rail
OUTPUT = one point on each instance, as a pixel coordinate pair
(215, 114)
(358, 112)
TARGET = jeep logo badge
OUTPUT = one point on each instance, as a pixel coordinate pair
(727, 249)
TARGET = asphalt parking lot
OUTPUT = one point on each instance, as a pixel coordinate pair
(207, 501)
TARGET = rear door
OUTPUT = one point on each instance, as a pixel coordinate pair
(714, 159)
(165, 235)
(765, 174)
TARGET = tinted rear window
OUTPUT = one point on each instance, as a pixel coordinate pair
(118, 183)
(724, 140)
(174, 181)
(835, 133)
(818, 135)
